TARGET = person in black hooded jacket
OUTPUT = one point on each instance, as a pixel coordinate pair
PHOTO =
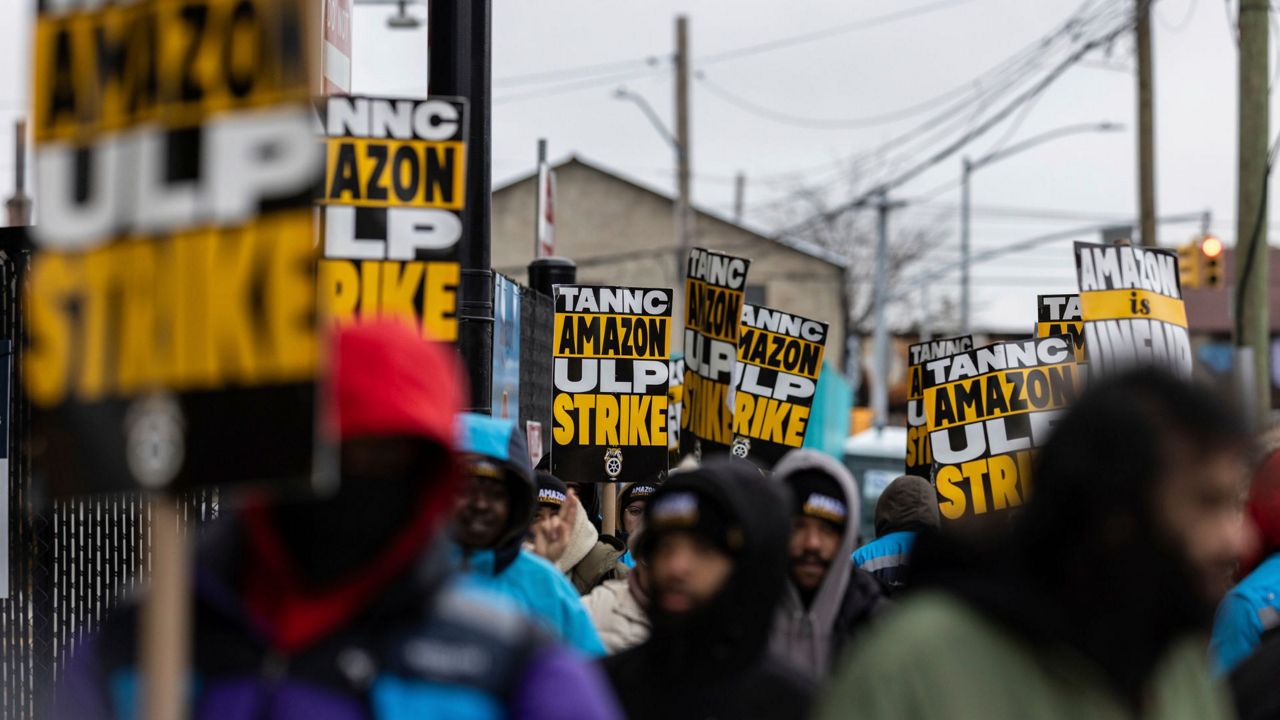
(716, 544)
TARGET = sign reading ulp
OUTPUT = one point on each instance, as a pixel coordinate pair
(611, 353)
(714, 290)
(170, 306)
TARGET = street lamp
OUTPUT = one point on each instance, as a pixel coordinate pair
(402, 20)
(681, 202)
(970, 165)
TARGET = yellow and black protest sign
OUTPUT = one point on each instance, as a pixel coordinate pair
(170, 307)
(1060, 315)
(779, 359)
(919, 460)
(987, 411)
(714, 289)
(675, 401)
(611, 349)
(394, 183)
(1132, 310)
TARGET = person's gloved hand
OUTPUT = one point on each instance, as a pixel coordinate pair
(551, 537)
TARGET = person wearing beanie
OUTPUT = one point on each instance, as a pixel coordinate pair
(715, 541)
(1251, 609)
(295, 602)
(631, 510)
(827, 598)
(907, 506)
(585, 556)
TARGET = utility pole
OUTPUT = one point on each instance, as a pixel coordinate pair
(1146, 125)
(19, 206)
(739, 196)
(880, 336)
(459, 43)
(683, 151)
(965, 172)
(1252, 316)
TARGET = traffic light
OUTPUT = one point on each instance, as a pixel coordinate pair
(1189, 264)
(1211, 252)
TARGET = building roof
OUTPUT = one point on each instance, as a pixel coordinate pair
(801, 246)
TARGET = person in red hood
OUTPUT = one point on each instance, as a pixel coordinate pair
(346, 607)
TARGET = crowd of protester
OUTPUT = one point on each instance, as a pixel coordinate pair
(449, 578)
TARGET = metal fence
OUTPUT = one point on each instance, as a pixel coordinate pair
(69, 560)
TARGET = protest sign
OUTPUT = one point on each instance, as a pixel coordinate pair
(395, 182)
(988, 409)
(779, 359)
(919, 460)
(675, 401)
(170, 306)
(609, 412)
(1132, 310)
(714, 289)
(1060, 315)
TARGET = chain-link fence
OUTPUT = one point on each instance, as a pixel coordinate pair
(69, 560)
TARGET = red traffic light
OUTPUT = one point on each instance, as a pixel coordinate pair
(1211, 247)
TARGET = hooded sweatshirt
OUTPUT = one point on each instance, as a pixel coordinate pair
(588, 560)
(811, 637)
(534, 585)
(907, 506)
(713, 661)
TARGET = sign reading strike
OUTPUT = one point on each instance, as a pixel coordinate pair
(395, 181)
(675, 400)
(1132, 309)
(779, 358)
(919, 460)
(170, 306)
(987, 410)
(714, 291)
(1060, 315)
(609, 413)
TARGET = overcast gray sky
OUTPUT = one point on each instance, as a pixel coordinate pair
(1084, 179)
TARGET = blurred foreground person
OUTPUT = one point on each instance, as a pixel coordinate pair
(1255, 683)
(585, 556)
(490, 520)
(1096, 605)
(908, 506)
(343, 608)
(827, 599)
(715, 540)
(1252, 608)
(619, 609)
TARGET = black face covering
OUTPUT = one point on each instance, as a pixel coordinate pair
(329, 540)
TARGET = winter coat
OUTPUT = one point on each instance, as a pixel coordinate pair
(535, 586)
(811, 637)
(389, 662)
(589, 560)
(618, 614)
(713, 662)
(1250, 609)
(887, 558)
(909, 504)
(935, 657)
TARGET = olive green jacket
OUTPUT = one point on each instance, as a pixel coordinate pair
(935, 657)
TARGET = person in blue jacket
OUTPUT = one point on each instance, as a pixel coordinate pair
(907, 506)
(490, 520)
(1251, 609)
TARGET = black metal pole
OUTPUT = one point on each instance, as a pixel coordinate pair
(460, 64)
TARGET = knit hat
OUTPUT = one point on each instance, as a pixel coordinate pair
(818, 495)
(636, 491)
(552, 492)
(688, 510)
